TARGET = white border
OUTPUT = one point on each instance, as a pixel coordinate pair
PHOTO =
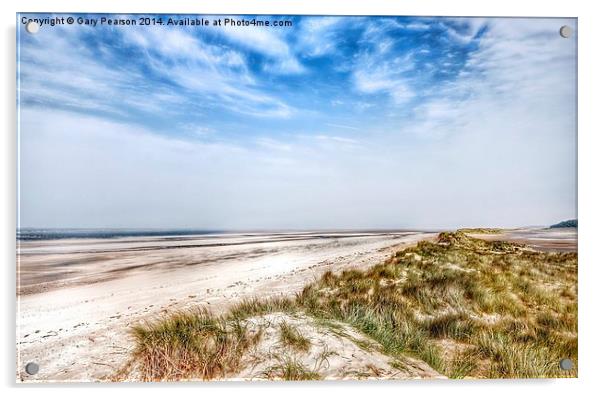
(590, 221)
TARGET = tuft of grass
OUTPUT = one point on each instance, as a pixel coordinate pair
(461, 365)
(458, 326)
(291, 369)
(190, 345)
(291, 337)
(525, 360)
(257, 307)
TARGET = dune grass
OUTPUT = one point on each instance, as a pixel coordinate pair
(290, 337)
(503, 311)
(190, 344)
(481, 230)
(465, 306)
(290, 369)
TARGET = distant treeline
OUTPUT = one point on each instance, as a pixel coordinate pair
(565, 224)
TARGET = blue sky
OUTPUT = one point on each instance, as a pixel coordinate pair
(335, 122)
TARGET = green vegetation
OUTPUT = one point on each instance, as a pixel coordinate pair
(480, 230)
(192, 344)
(290, 369)
(290, 336)
(467, 307)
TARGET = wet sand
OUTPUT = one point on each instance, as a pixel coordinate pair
(78, 298)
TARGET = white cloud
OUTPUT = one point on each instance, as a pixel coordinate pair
(416, 26)
(268, 42)
(521, 65)
(343, 126)
(380, 79)
(320, 35)
(379, 69)
(213, 70)
(336, 139)
(197, 130)
(81, 80)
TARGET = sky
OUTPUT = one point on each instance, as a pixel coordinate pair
(333, 122)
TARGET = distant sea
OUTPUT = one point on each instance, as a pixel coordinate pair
(28, 234)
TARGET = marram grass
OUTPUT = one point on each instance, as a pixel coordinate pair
(467, 307)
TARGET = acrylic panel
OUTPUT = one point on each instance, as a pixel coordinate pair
(255, 197)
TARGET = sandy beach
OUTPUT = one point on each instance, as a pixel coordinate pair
(77, 298)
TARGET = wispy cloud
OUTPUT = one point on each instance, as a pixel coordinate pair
(153, 71)
(271, 43)
(343, 126)
(320, 36)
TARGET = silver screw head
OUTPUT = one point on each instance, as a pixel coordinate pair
(566, 364)
(566, 31)
(32, 27)
(32, 368)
